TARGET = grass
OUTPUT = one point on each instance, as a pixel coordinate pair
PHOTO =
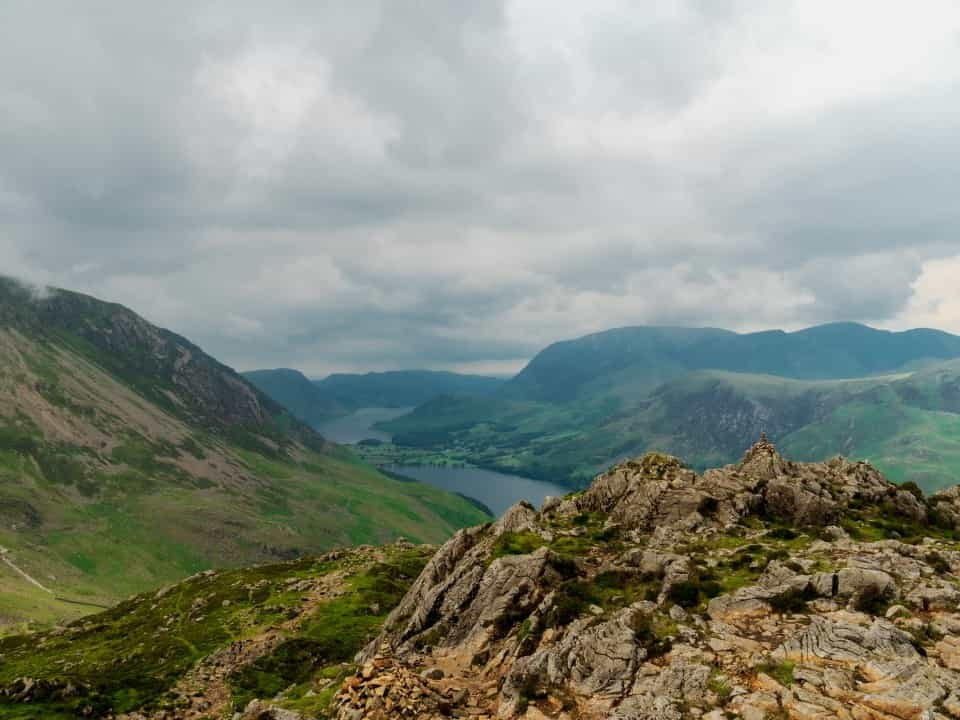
(128, 658)
(162, 481)
(328, 640)
(139, 530)
(782, 672)
(908, 425)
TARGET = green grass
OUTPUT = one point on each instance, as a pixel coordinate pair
(782, 672)
(328, 640)
(129, 657)
(143, 527)
(907, 424)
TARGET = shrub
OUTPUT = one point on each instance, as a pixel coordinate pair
(793, 601)
(686, 594)
(782, 533)
(937, 562)
(782, 672)
(871, 601)
(647, 636)
(911, 487)
(708, 506)
(571, 601)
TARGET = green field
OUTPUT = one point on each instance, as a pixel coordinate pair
(906, 423)
(130, 459)
(132, 657)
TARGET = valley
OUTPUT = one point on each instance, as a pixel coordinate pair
(766, 589)
(578, 407)
(130, 459)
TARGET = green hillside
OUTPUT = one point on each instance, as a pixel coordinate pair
(907, 424)
(301, 623)
(910, 428)
(639, 358)
(298, 394)
(316, 401)
(129, 458)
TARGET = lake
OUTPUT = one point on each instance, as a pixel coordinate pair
(498, 491)
(353, 428)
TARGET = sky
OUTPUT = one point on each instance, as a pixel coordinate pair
(374, 184)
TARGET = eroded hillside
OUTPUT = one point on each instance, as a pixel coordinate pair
(769, 589)
(129, 458)
(766, 589)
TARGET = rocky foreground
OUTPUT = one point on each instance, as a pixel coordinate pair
(769, 589)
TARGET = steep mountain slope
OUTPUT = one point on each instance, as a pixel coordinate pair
(910, 427)
(301, 396)
(639, 357)
(129, 458)
(173, 651)
(608, 396)
(316, 401)
(766, 589)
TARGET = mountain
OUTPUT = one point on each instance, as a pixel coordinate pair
(301, 396)
(764, 589)
(403, 388)
(582, 405)
(317, 401)
(130, 458)
(638, 357)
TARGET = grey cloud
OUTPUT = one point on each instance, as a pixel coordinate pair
(371, 184)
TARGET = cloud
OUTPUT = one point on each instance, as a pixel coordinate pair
(935, 298)
(365, 185)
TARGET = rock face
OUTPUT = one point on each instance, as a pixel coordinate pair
(764, 589)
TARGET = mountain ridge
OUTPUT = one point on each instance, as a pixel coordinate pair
(620, 396)
(129, 458)
(764, 589)
(830, 351)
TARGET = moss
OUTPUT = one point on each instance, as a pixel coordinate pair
(872, 601)
(782, 672)
(651, 635)
(937, 562)
(511, 543)
(793, 601)
(129, 657)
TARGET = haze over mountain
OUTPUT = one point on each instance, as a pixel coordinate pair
(298, 394)
(603, 362)
(130, 458)
(580, 405)
(330, 192)
(315, 401)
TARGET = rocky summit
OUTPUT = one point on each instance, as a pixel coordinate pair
(766, 589)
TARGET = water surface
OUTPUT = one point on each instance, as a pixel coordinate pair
(498, 491)
(351, 429)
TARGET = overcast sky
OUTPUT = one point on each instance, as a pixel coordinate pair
(374, 184)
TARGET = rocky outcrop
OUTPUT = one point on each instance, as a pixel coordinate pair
(756, 590)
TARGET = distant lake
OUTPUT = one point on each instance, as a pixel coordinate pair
(351, 429)
(497, 491)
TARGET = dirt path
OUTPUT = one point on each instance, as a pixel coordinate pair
(204, 691)
(205, 687)
(5, 556)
